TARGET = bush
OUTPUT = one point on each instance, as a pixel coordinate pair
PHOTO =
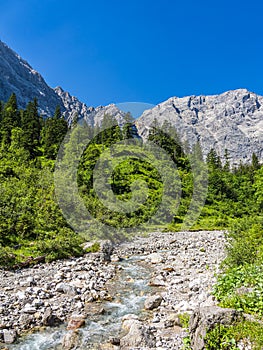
(7, 257)
(63, 245)
(231, 337)
(245, 241)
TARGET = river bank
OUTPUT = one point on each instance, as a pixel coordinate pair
(164, 274)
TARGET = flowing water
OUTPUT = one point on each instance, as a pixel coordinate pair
(128, 291)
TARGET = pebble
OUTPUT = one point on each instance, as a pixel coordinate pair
(181, 270)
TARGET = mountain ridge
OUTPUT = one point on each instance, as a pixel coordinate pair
(17, 76)
(232, 120)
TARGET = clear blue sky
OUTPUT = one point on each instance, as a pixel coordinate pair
(140, 50)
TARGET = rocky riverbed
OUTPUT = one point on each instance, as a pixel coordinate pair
(172, 273)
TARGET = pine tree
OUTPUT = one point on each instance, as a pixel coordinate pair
(31, 126)
(128, 126)
(255, 162)
(227, 162)
(10, 119)
(53, 133)
(213, 160)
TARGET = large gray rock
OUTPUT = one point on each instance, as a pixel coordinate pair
(10, 336)
(205, 319)
(152, 302)
(66, 288)
(232, 120)
(70, 340)
(139, 335)
(106, 248)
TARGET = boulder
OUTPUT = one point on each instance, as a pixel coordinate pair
(152, 302)
(155, 258)
(10, 336)
(139, 335)
(115, 258)
(66, 289)
(49, 319)
(205, 319)
(128, 320)
(70, 340)
(75, 322)
(106, 248)
(29, 309)
(156, 282)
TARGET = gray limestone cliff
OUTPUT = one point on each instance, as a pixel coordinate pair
(232, 120)
(16, 75)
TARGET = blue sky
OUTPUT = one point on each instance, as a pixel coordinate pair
(142, 51)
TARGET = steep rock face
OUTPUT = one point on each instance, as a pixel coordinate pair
(232, 120)
(17, 76)
(112, 110)
(73, 106)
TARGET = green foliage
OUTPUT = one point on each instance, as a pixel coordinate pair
(219, 338)
(122, 182)
(31, 217)
(240, 285)
(241, 288)
(31, 222)
(184, 319)
(258, 187)
(7, 257)
(245, 241)
(31, 125)
(53, 133)
(94, 248)
(229, 337)
(61, 245)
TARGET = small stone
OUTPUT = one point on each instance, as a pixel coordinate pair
(75, 322)
(115, 258)
(10, 336)
(29, 309)
(156, 282)
(155, 258)
(115, 341)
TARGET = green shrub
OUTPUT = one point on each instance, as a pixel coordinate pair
(63, 245)
(94, 248)
(229, 337)
(220, 338)
(7, 257)
(245, 241)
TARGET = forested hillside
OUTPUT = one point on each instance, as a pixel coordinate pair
(32, 225)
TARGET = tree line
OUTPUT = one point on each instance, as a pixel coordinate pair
(32, 223)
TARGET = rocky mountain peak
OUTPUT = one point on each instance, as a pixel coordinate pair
(232, 120)
(16, 75)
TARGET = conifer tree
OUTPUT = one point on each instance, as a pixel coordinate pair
(31, 126)
(52, 134)
(10, 118)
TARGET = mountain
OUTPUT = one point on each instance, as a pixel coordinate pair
(232, 120)
(16, 75)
